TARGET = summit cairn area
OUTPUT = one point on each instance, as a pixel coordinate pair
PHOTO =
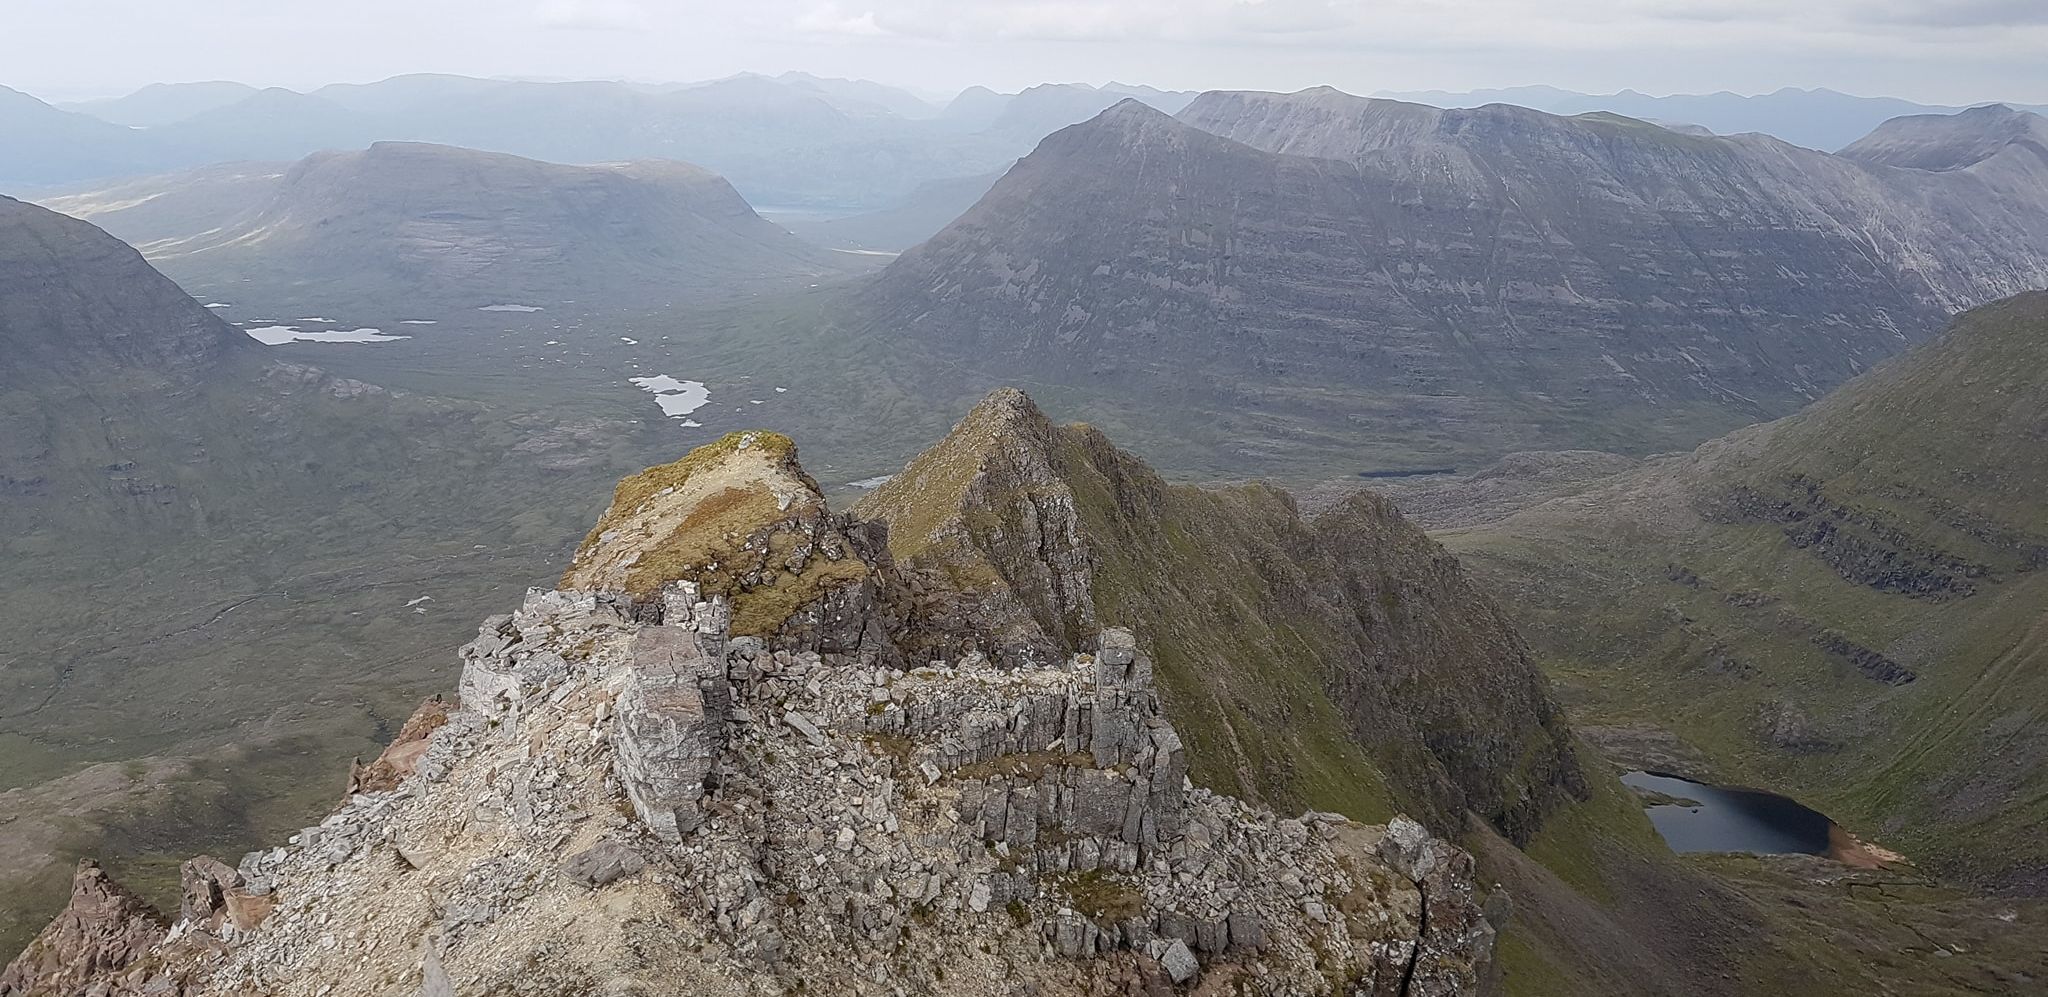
(732, 755)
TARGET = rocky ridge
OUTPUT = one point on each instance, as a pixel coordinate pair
(1343, 662)
(631, 797)
(104, 928)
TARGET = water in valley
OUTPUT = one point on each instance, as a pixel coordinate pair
(1720, 819)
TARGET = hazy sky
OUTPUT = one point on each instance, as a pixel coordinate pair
(1953, 51)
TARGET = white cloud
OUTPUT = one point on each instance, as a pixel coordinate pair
(591, 15)
(1076, 20)
(1950, 50)
(830, 19)
(1875, 27)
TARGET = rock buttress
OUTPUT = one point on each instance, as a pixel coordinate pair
(103, 934)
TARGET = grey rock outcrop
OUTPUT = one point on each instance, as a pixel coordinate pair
(671, 728)
(818, 818)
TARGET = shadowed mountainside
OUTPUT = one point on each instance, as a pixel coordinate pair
(210, 558)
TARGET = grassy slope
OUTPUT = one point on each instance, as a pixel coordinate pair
(1600, 906)
(1936, 460)
(1246, 687)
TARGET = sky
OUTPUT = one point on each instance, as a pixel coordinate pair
(1938, 51)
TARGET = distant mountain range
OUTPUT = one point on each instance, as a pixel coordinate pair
(1444, 280)
(435, 225)
(788, 140)
(1283, 278)
(1816, 119)
(161, 104)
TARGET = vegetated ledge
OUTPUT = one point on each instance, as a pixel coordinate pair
(1859, 545)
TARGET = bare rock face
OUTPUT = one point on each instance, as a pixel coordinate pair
(402, 756)
(1453, 921)
(218, 898)
(102, 933)
(630, 797)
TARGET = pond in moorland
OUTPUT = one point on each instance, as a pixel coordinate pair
(1695, 817)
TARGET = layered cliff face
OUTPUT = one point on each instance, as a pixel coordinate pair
(1315, 275)
(850, 797)
(1342, 661)
(1919, 243)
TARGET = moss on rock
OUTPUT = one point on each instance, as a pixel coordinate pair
(738, 517)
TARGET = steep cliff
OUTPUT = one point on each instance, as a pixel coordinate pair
(1342, 661)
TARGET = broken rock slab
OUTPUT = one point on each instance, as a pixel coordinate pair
(671, 729)
(1179, 961)
(602, 864)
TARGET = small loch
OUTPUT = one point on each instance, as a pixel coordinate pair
(1722, 819)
